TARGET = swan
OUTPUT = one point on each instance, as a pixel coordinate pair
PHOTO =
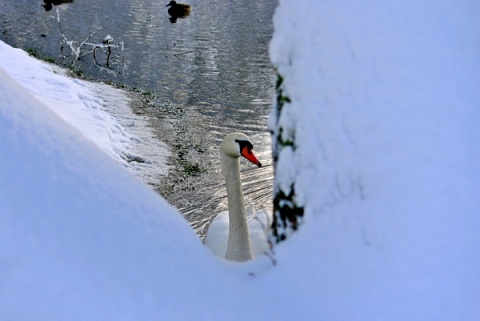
(239, 234)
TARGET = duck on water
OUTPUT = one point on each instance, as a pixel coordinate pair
(178, 9)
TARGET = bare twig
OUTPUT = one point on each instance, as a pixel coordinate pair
(91, 35)
(68, 43)
(77, 51)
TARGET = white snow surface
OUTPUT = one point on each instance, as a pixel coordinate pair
(385, 111)
(100, 112)
(385, 114)
(83, 239)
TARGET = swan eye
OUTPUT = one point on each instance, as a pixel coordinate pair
(244, 143)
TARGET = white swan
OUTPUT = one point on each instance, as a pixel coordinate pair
(239, 234)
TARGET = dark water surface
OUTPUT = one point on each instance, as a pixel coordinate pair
(210, 70)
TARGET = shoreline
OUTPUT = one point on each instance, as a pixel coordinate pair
(152, 142)
(148, 158)
(115, 119)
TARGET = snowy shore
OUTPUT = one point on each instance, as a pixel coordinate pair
(98, 111)
(384, 112)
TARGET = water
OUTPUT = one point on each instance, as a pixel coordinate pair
(210, 71)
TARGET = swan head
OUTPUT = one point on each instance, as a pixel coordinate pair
(238, 144)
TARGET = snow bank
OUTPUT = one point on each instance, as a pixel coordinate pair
(385, 115)
(83, 239)
(98, 111)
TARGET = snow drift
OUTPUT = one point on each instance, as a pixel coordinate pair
(384, 113)
(385, 119)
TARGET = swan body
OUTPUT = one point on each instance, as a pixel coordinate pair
(258, 227)
(239, 234)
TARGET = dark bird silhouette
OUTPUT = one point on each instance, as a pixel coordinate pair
(48, 4)
(178, 9)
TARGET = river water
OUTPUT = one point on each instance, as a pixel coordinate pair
(210, 72)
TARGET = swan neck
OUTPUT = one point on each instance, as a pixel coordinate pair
(238, 247)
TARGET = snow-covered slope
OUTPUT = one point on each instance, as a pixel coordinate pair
(83, 239)
(386, 119)
(77, 232)
(385, 114)
(99, 112)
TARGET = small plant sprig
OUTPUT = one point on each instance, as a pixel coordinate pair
(34, 53)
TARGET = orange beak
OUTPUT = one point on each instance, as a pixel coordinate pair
(248, 154)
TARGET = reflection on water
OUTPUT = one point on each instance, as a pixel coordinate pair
(211, 71)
